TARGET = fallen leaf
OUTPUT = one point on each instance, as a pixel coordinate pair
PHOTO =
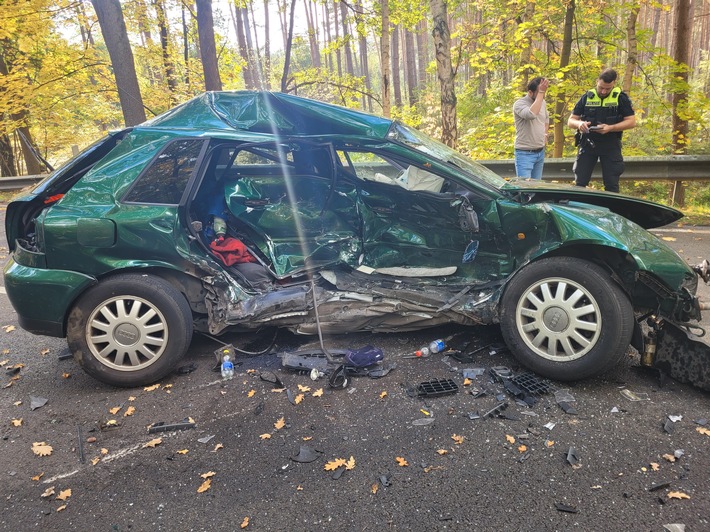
(266, 436)
(3, 362)
(510, 438)
(9, 328)
(208, 474)
(280, 423)
(251, 371)
(549, 443)
(318, 393)
(401, 462)
(64, 495)
(245, 523)
(350, 464)
(44, 352)
(374, 488)
(678, 495)
(522, 448)
(40, 448)
(334, 464)
(153, 443)
(132, 398)
(669, 457)
(217, 447)
(703, 430)
(8, 384)
(37, 477)
(167, 386)
(104, 451)
(458, 440)
(467, 381)
(668, 238)
(205, 486)
(442, 452)
(251, 393)
(111, 423)
(307, 438)
(303, 389)
(278, 390)
(62, 508)
(383, 395)
(183, 451)
(17, 422)
(299, 488)
(655, 466)
(129, 411)
(66, 375)
(115, 410)
(298, 399)
(95, 460)
(48, 492)
(151, 388)
(17, 403)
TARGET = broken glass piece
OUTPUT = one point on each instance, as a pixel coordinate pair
(678, 453)
(564, 396)
(423, 421)
(306, 455)
(472, 373)
(474, 415)
(674, 527)
(37, 402)
(205, 439)
(633, 396)
(528, 413)
(568, 408)
(702, 421)
(470, 253)
(675, 419)
(550, 425)
(668, 426)
(614, 410)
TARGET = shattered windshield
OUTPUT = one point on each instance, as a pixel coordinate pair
(421, 142)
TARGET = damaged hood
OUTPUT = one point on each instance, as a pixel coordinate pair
(647, 214)
(271, 113)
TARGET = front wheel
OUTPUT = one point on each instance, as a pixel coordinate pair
(566, 319)
(130, 330)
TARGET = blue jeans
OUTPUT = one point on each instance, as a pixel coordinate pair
(529, 164)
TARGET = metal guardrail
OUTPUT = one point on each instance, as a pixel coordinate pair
(671, 168)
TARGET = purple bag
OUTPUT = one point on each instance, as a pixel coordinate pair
(363, 357)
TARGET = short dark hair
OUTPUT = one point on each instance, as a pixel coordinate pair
(609, 75)
(534, 83)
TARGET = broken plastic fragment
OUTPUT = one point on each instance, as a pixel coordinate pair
(566, 508)
(381, 371)
(474, 415)
(674, 527)
(659, 486)
(161, 426)
(423, 421)
(205, 439)
(614, 410)
(567, 408)
(437, 387)
(563, 396)
(550, 425)
(37, 402)
(306, 455)
(572, 457)
(675, 419)
(668, 426)
(496, 411)
(472, 373)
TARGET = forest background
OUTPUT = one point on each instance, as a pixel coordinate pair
(70, 70)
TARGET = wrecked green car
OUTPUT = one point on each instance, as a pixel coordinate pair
(241, 210)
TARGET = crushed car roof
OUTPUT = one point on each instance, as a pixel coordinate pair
(269, 112)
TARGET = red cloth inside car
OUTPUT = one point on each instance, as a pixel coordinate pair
(231, 251)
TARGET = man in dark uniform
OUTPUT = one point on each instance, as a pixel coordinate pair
(599, 117)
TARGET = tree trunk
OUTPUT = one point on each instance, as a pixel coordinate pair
(242, 43)
(251, 55)
(338, 53)
(385, 58)
(86, 36)
(396, 86)
(185, 48)
(326, 31)
(681, 52)
(410, 67)
(526, 54)
(312, 34)
(362, 44)
(632, 49)
(267, 47)
(113, 29)
(7, 157)
(164, 40)
(346, 39)
(564, 61)
(422, 54)
(442, 48)
(289, 42)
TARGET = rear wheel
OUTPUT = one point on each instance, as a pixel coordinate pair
(130, 330)
(566, 319)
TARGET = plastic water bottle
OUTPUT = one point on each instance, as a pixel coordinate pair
(437, 346)
(227, 368)
(422, 352)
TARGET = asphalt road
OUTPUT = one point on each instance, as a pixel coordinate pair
(410, 463)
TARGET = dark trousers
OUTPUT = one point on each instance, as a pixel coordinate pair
(608, 151)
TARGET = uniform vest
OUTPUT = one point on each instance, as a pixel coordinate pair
(606, 111)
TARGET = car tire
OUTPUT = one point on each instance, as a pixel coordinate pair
(566, 319)
(130, 330)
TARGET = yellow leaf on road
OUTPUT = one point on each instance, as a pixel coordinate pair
(510, 438)
(9, 328)
(334, 464)
(458, 440)
(151, 388)
(205, 486)
(251, 393)
(350, 464)
(44, 352)
(129, 411)
(678, 495)
(266, 436)
(104, 451)
(522, 448)
(668, 238)
(208, 474)
(183, 451)
(62, 508)
(245, 523)
(95, 460)
(48, 492)
(442, 452)
(669, 457)
(37, 477)
(703, 430)
(374, 488)
(115, 410)
(40, 448)
(401, 462)
(298, 399)
(64, 495)
(318, 392)
(304, 389)
(17, 422)
(280, 423)
(383, 395)
(217, 447)
(655, 466)
(153, 443)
